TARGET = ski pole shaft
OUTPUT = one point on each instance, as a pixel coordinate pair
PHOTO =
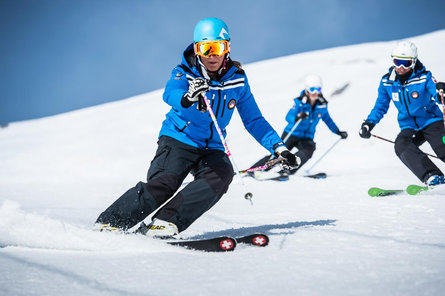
(267, 165)
(248, 195)
(378, 137)
(272, 160)
(389, 141)
(292, 129)
(324, 154)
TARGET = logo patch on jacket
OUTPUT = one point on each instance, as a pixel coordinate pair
(414, 95)
(178, 76)
(395, 96)
(231, 104)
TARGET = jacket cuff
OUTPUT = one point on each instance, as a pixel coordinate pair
(185, 102)
(279, 148)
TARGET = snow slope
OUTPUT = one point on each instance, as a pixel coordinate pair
(327, 236)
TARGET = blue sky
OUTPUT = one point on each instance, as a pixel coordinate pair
(62, 55)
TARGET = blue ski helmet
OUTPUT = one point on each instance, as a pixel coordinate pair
(211, 29)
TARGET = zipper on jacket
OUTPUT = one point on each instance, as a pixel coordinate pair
(213, 102)
(224, 106)
(182, 129)
(211, 136)
(406, 99)
(407, 95)
(219, 103)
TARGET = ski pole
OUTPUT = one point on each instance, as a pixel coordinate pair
(272, 160)
(267, 165)
(292, 129)
(443, 111)
(324, 154)
(248, 195)
(394, 143)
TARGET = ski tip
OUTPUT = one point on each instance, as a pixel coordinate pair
(374, 191)
(260, 240)
(227, 244)
(256, 239)
(415, 189)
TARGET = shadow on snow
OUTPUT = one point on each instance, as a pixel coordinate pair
(266, 229)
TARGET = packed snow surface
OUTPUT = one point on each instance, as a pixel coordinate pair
(327, 237)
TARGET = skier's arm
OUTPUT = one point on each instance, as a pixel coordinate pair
(440, 87)
(431, 87)
(381, 106)
(292, 114)
(329, 122)
(175, 89)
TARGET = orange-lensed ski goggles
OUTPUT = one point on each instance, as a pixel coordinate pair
(208, 48)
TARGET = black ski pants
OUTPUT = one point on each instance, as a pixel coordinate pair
(407, 149)
(305, 146)
(173, 161)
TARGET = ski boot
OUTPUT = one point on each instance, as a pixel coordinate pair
(435, 180)
(158, 229)
(105, 227)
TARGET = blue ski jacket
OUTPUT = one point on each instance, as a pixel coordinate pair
(306, 127)
(196, 128)
(414, 99)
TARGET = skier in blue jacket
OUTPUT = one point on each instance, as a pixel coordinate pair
(412, 89)
(189, 142)
(309, 107)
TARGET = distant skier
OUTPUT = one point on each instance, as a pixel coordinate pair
(302, 119)
(188, 141)
(413, 91)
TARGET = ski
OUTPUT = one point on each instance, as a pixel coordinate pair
(222, 243)
(375, 191)
(259, 177)
(256, 239)
(410, 189)
(415, 189)
(317, 176)
(216, 244)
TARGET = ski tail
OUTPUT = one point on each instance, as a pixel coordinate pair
(217, 244)
(317, 176)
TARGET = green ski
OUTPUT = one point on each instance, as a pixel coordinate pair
(415, 189)
(374, 191)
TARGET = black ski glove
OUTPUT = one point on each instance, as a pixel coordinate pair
(196, 91)
(288, 160)
(440, 86)
(302, 115)
(343, 134)
(365, 130)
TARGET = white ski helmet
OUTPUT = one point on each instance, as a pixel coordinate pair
(405, 50)
(313, 81)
